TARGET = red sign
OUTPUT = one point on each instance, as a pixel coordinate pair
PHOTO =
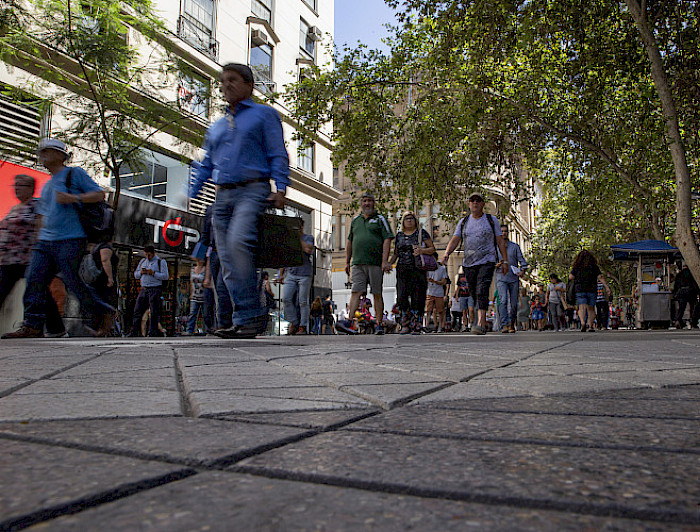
(8, 171)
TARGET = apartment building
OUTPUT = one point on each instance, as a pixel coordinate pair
(279, 39)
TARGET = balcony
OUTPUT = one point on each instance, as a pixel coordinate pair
(198, 36)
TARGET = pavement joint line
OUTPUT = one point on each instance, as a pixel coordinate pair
(186, 405)
(528, 441)
(603, 510)
(51, 374)
(554, 413)
(85, 503)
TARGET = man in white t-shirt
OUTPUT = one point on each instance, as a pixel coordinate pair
(435, 299)
(481, 235)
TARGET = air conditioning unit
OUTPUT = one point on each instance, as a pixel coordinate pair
(315, 34)
(258, 37)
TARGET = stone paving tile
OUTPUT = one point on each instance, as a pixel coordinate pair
(645, 404)
(38, 477)
(470, 390)
(220, 501)
(675, 393)
(101, 384)
(186, 440)
(552, 428)
(543, 385)
(18, 407)
(640, 480)
(226, 381)
(36, 367)
(308, 420)
(369, 376)
(643, 377)
(386, 395)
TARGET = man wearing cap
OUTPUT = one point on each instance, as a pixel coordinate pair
(482, 239)
(367, 259)
(62, 241)
(244, 151)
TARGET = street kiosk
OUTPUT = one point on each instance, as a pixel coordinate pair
(653, 259)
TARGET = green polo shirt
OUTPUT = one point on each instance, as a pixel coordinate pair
(367, 236)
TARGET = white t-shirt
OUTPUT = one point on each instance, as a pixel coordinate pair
(437, 290)
(478, 240)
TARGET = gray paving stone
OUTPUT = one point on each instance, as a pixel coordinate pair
(309, 420)
(38, 477)
(386, 395)
(29, 368)
(640, 480)
(543, 385)
(371, 376)
(189, 441)
(225, 501)
(194, 383)
(552, 428)
(18, 407)
(470, 390)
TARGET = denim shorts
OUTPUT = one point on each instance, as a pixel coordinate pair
(586, 298)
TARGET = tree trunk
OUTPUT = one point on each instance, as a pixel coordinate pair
(684, 238)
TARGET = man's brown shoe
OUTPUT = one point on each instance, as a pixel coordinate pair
(24, 332)
(301, 330)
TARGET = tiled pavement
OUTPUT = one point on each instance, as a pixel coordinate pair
(533, 431)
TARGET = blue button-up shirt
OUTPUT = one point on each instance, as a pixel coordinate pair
(160, 272)
(515, 258)
(247, 145)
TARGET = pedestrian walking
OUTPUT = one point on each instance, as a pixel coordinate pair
(151, 271)
(214, 278)
(328, 313)
(602, 306)
(508, 284)
(685, 293)
(61, 242)
(316, 314)
(244, 150)
(537, 314)
(435, 300)
(524, 310)
(481, 236)
(197, 297)
(466, 301)
(554, 299)
(585, 273)
(367, 259)
(296, 287)
(411, 282)
(106, 262)
(18, 233)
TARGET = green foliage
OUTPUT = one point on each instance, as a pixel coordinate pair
(107, 70)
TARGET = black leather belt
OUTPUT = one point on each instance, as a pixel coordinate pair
(230, 186)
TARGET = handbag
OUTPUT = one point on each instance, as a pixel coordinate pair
(424, 262)
(571, 293)
(97, 219)
(88, 270)
(279, 241)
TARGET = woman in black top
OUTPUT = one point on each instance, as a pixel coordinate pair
(105, 285)
(411, 283)
(585, 273)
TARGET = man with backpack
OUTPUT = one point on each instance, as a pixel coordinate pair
(61, 242)
(481, 236)
(151, 271)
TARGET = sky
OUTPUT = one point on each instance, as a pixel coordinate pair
(362, 20)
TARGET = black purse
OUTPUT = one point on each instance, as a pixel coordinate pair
(97, 219)
(279, 241)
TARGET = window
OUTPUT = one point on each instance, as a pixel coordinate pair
(336, 179)
(313, 4)
(193, 94)
(305, 157)
(196, 25)
(343, 232)
(261, 65)
(262, 9)
(307, 46)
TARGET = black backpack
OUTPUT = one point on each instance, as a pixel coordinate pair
(97, 219)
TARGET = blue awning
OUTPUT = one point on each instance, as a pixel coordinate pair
(646, 249)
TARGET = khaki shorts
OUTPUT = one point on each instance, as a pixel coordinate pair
(435, 301)
(361, 274)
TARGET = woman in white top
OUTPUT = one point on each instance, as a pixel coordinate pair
(556, 291)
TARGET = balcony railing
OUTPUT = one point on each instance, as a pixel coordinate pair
(199, 37)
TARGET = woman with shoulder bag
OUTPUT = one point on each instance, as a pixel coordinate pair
(411, 282)
(585, 273)
(106, 260)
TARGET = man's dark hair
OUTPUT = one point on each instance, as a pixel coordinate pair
(504, 226)
(27, 179)
(244, 70)
(149, 249)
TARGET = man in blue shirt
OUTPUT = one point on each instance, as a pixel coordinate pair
(61, 243)
(297, 286)
(151, 271)
(244, 151)
(508, 284)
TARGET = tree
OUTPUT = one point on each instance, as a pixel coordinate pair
(114, 96)
(496, 84)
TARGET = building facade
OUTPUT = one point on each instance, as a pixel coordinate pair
(278, 39)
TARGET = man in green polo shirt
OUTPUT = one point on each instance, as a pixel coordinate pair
(367, 250)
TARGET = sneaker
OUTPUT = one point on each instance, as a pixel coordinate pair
(479, 331)
(24, 332)
(292, 329)
(345, 327)
(379, 331)
(62, 334)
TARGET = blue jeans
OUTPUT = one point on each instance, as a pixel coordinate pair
(224, 308)
(236, 213)
(316, 328)
(48, 259)
(195, 308)
(299, 286)
(508, 305)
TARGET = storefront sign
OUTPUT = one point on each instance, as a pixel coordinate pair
(141, 222)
